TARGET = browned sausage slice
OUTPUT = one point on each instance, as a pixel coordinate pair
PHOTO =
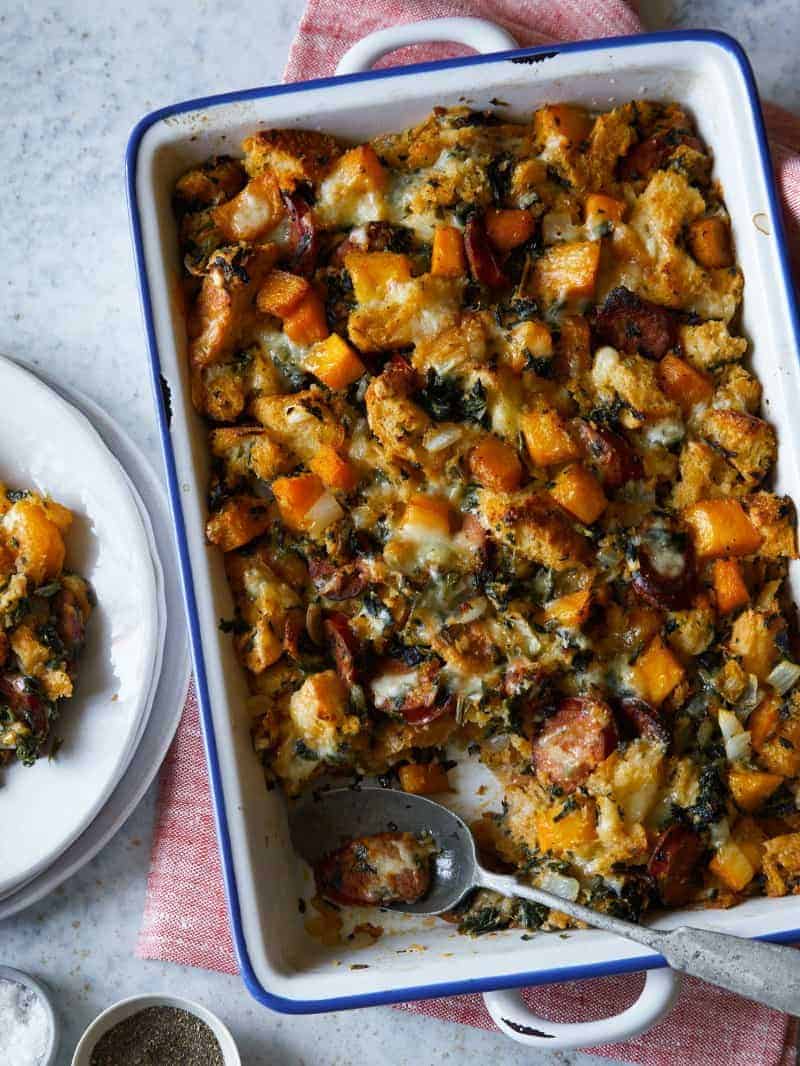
(344, 647)
(643, 719)
(573, 743)
(651, 154)
(614, 460)
(631, 324)
(377, 870)
(483, 263)
(337, 582)
(673, 864)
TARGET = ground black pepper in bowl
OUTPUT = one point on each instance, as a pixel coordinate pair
(158, 1036)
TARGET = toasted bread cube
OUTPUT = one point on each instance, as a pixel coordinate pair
(509, 228)
(281, 293)
(423, 779)
(558, 832)
(570, 611)
(754, 640)
(682, 383)
(335, 471)
(751, 788)
(782, 864)
(529, 340)
(295, 496)
(600, 210)
(293, 155)
(237, 522)
(563, 124)
(448, 258)
(496, 465)
(578, 491)
(252, 212)
(729, 586)
(731, 865)
(373, 272)
(657, 672)
(546, 437)
(429, 514)
(307, 323)
(764, 722)
(774, 518)
(721, 529)
(37, 539)
(334, 362)
(710, 243)
(210, 184)
(565, 273)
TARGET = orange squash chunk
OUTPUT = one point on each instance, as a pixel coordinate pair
(431, 514)
(281, 293)
(682, 383)
(334, 362)
(570, 611)
(710, 243)
(295, 496)
(372, 272)
(361, 169)
(423, 779)
(307, 323)
(508, 229)
(731, 865)
(571, 125)
(448, 258)
(578, 491)
(566, 272)
(546, 437)
(335, 471)
(751, 788)
(496, 465)
(729, 586)
(559, 832)
(600, 208)
(657, 672)
(721, 529)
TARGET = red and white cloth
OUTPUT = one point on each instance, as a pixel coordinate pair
(185, 918)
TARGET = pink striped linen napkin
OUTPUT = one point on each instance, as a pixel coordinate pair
(185, 918)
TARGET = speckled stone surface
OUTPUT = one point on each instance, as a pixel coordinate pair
(74, 78)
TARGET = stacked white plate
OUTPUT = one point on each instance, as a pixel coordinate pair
(134, 671)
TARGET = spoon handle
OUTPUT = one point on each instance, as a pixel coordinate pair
(766, 973)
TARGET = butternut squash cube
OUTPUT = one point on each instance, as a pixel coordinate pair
(602, 209)
(281, 293)
(496, 465)
(334, 362)
(763, 722)
(529, 340)
(776, 738)
(423, 779)
(682, 383)
(360, 169)
(547, 438)
(751, 788)
(448, 258)
(754, 637)
(657, 672)
(578, 491)
(729, 586)
(710, 243)
(731, 865)
(558, 832)
(507, 229)
(565, 273)
(429, 514)
(721, 529)
(373, 272)
(570, 611)
(307, 323)
(295, 496)
(334, 471)
(562, 123)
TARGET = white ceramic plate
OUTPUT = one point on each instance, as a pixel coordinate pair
(48, 445)
(170, 687)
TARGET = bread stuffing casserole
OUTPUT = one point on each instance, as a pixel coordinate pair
(43, 614)
(489, 467)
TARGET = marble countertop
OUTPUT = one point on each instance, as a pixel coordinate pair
(75, 77)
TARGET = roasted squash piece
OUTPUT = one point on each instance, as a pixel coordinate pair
(710, 242)
(295, 496)
(657, 672)
(579, 492)
(448, 258)
(565, 273)
(547, 438)
(559, 829)
(281, 293)
(682, 383)
(729, 586)
(307, 323)
(509, 228)
(721, 528)
(751, 788)
(334, 362)
(496, 465)
(423, 779)
(334, 471)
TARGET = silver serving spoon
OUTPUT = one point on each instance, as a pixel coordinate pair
(320, 822)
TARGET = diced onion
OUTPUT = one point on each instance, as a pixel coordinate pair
(559, 885)
(738, 747)
(729, 724)
(558, 226)
(719, 832)
(324, 512)
(784, 676)
(443, 439)
(749, 700)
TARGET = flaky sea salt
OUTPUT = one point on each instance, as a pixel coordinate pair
(24, 1025)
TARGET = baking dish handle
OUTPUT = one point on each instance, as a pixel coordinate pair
(479, 34)
(513, 1017)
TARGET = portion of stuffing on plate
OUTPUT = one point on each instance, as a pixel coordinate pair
(489, 466)
(43, 614)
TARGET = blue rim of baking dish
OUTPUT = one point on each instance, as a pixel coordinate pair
(538, 53)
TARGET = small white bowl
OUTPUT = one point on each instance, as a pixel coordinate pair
(8, 973)
(118, 1012)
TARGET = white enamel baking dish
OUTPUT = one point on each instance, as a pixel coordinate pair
(283, 967)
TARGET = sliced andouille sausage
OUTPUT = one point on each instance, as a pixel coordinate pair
(303, 234)
(631, 324)
(344, 646)
(17, 693)
(374, 871)
(573, 743)
(650, 155)
(337, 582)
(293, 630)
(614, 460)
(674, 864)
(70, 622)
(374, 237)
(483, 262)
(643, 719)
(665, 577)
